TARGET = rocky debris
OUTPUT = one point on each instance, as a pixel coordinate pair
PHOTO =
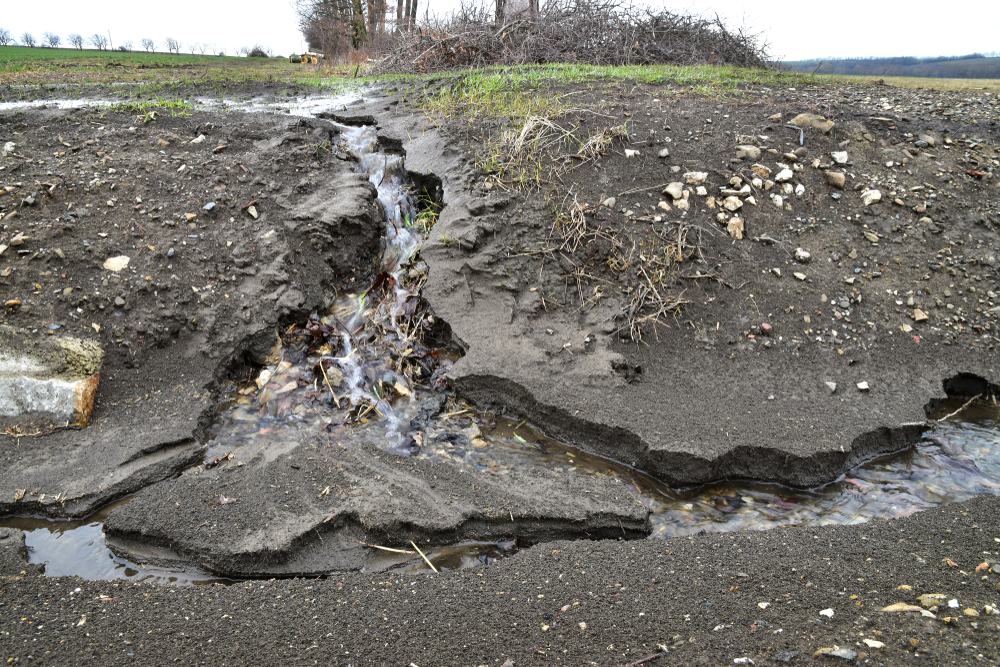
(675, 190)
(835, 178)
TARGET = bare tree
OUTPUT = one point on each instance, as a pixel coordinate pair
(148, 44)
(51, 40)
(172, 45)
(98, 41)
(127, 45)
(28, 39)
(243, 50)
(75, 40)
(194, 46)
(204, 47)
(222, 51)
(5, 37)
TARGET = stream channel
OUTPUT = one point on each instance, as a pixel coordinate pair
(373, 367)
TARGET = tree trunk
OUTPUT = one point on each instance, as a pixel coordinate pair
(501, 7)
(406, 16)
(372, 17)
(413, 14)
(399, 15)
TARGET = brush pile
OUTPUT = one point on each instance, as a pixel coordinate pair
(594, 32)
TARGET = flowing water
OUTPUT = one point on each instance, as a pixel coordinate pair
(371, 367)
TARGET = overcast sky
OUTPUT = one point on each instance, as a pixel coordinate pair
(795, 30)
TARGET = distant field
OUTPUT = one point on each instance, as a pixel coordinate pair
(24, 65)
(965, 68)
(971, 85)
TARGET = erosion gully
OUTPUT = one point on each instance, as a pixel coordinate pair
(371, 368)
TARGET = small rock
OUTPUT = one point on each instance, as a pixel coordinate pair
(827, 612)
(116, 263)
(663, 205)
(784, 176)
(8, 148)
(675, 190)
(800, 190)
(200, 138)
(919, 315)
(252, 210)
(800, 276)
(735, 228)
(832, 386)
(675, 169)
(761, 170)
(836, 178)
(802, 256)
(776, 271)
(870, 197)
(863, 386)
(927, 139)
(766, 329)
(190, 216)
(840, 157)
(970, 612)
(119, 301)
(807, 121)
(872, 237)
(732, 203)
(777, 200)
(695, 177)
(701, 191)
(609, 202)
(874, 643)
(210, 206)
(664, 153)
(750, 152)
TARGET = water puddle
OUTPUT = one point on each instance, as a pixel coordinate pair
(373, 365)
(299, 105)
(77, 549)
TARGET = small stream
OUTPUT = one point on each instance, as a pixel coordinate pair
(373, 366)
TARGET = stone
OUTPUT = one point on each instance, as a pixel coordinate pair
(872, 237)
(874, 643)
(970, 612)
(47, 382)
(750, 152)
(784, 176)
(761, 170)
(840, 157)
(117, 263)
(801, 151)
(197, 140)
(682, 205)
(8, 148)
(735, 228)
(832, 386)
(119, 301)
(675, 190)
(777, 201)
(664, 153)
(863, 386)
(870, 197)
(800, 276)
(800, 190)
(701, 191)
(609, 202)
(835, 178)
(802, 256)
(919, 315)
(732, 203)
(210, 206)
(252, 210)
(695, 177)
(927, 139)
(808, 121)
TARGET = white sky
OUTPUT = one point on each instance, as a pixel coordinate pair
(794, 30)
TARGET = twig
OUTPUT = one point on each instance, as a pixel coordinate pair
(395, 551)
(423, 556)
(646, 659)
(964, 406)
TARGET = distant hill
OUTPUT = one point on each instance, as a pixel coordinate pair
(973, 66)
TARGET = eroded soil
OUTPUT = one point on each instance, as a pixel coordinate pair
(543, 318)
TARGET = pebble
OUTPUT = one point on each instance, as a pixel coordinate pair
(675, 190)
(784, 175)
(869, 197)
(835, 178)
(802, 256)
(209, 206)
(732, 203)
(695, 177)
(664, 153)
(832, 386)
(750, 152)
(609, 202)
(119, 301)
(863, 386)
(840, 157)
